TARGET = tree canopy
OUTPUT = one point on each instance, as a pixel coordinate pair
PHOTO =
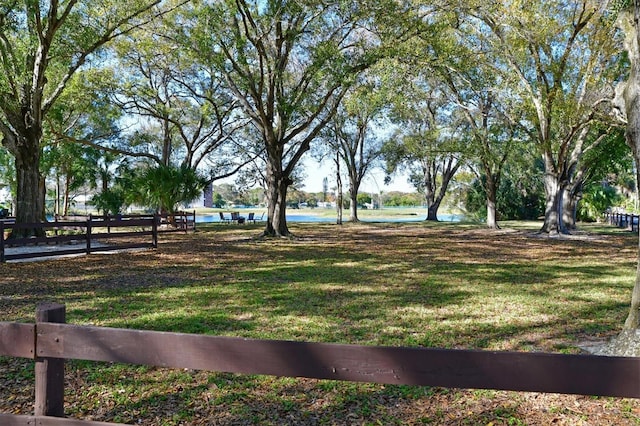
(42, 46)
(248, 88)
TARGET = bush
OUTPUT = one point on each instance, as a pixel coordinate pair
(514, 201)
(164, 187)
(111, 201)
(596, 199)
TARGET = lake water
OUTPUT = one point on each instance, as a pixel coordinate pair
(210, 218)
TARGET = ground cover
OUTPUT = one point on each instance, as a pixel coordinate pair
(385, 214)
(418, 284)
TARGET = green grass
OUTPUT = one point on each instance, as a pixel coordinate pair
(432, 285)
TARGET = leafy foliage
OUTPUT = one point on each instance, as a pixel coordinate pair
(558, 60)
(289, 64)
(163, 187)
(597, 198)
(112, 201)
(515, 200)
(43, 44)
(7, 172)
(401, 199)
(618, 5)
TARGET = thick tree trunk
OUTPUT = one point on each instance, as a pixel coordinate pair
(29, 194)
(430, 198)
(277, 186)
(492, 220)
(633, 138)
(569, 211)
(354, 186)
(632, 106)
(353, 207)
(571, 198)
(628, 101)
(633, 319)
(450, 167)
(432, 211)
(553, 223)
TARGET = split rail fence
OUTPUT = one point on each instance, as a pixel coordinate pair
(50, 341)
(80, 237)
(80, 234)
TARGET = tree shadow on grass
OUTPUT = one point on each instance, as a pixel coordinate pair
(234, 284)
(239, 287)
(227, 399)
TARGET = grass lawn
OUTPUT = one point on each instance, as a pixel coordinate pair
(418, 284)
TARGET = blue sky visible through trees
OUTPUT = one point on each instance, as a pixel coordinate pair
(374, 181)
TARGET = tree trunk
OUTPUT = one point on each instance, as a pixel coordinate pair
(632, 106)
(354, 186)
(432, 211)
(353, 207)
(569, 211)
(66, 202)
(29, 194)
(554, 205)
(492, 197)
(628, 101)
(339, 194)
(449, 169)
(277, 186)
(492, 220)
(633, 319)
(430, 199)
(571, 198)
(633, 139)
(57, 207)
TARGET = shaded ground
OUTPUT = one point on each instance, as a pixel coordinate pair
(416, 285)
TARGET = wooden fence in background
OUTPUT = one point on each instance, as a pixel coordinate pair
(50, 341)
(624, 220)
(79, 237)
(78, 234)
(167, 222)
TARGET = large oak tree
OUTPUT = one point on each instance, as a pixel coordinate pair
(561, 55)
(628, 103)
(290, 63)
(429, 138)
(42, 46)
(185, 113)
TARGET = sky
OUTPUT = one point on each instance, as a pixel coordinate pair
(373, 182)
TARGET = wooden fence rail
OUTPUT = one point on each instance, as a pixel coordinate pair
(83, 235)
(51, 340)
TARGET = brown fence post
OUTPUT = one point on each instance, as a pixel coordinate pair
(89, 235)
(154, 227)
(2, 260)
(49, 371)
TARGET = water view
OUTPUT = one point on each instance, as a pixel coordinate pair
(323, 217)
